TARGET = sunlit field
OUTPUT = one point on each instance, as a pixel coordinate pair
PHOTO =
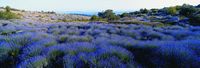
(84, 45)
(99, 34)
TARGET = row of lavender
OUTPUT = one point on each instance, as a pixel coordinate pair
(83, 45)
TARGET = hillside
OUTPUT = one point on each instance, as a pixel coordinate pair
(153, 39)
(47, 17)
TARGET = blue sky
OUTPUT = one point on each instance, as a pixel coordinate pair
(92, 5)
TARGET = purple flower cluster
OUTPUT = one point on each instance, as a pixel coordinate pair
(83, 45)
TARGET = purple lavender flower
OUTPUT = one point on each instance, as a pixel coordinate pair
(34, 62)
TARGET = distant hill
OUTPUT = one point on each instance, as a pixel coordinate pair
(81, 14)
(84, 13)
(89, 13)
(52, 17)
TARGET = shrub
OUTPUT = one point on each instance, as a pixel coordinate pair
(104, 56)
(4, 51)
(8, 15)
(31, 51)
(195, 19)
(124, 15)
(8, 54)
(94, 45)
(178, 56)
(95, 18)
(171, 10)
(154, 10)
(8, 9)
(34, 62)
(109, 15)
(144, 53)
(19, 40)
(144, 11)
(54, 55)
(79, 39)
(187, 10)
(198, 6)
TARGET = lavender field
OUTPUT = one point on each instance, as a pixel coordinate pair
(99, 34)
(98, 45)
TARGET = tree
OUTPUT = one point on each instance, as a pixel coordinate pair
(144, 11)
(136, 13)
(154, 10)
(195, 19)
(187, 10)
(198, 6)
(8, 9)
(109, 15)
(124, 15)
(106, 14)
(94, 18)
(7, 14)
(171, 10)
(113, 17)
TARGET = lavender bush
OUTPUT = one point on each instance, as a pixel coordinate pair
(83, 45)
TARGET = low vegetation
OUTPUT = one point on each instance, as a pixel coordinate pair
(107, 15)
(195, 19)
(171, 15)
(147, 42)
(83, 45)
(7, 14)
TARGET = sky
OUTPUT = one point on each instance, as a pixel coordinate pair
(92, 5)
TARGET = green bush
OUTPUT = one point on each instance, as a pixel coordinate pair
(95, 18)
(192, 12)
(124, 15)
(198, 6)
(171, 10)
(7, 14)
(144, 11)
(154, 10)
(8, 9)
(108, 15)
(195, 19)
(187, 10)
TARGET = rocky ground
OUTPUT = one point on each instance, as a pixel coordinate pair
(47, 17)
